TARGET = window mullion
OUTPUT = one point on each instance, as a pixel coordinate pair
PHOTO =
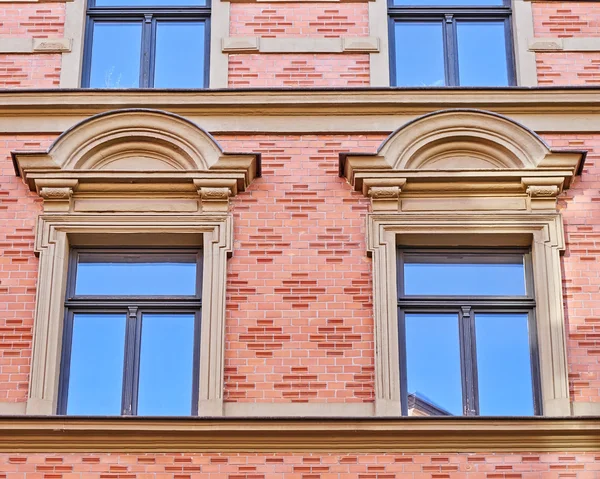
(129, 363)
(402, 360)
(450, 54)
(146, 51)
(468, 362)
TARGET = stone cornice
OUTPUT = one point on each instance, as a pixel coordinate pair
(76, 434)
(373, 110)
(314, 100)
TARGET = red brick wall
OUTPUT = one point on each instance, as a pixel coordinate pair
(299, 311)
(299, 20)
(581, 212)
(26, 20)
(18, 271)
(298, 70)
(29, 71)
(566, 19)
(32, 20)
(300, 466)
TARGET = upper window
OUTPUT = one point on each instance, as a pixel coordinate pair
(131, 334)
(467, 333)
(146, 44)
(451, 43)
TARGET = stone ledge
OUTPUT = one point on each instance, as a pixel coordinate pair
(35, 45)
(21, 434)
(300, 45)
(580, 44)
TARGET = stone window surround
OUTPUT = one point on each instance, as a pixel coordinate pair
(136, 178)
(500, 191)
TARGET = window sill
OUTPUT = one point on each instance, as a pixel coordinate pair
(341, 434)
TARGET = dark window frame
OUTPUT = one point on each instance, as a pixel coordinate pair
(448, 17)
(466, 308)
(133, 306)
(148, 17)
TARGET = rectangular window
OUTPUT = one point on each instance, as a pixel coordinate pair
(147, 44)
(131, 335)
(467, 333)
(451, 43)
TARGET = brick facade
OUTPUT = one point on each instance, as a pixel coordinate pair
(299, 312)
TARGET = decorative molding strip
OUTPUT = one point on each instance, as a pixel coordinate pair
(297, 1)
(250, 409)
(579, 44)
(586, 409)
(36, 1)
(12, 408)
(35, 45)
(300, 45)
(340, 110)
(139, 435)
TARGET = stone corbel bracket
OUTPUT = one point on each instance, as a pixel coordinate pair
(462, 160)
(140, 161)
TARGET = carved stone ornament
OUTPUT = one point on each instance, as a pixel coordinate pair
(53, 193)
(214, 193)
(546, 191)
(136, 161)
(384, 192)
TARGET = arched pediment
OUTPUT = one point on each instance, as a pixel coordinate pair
(463, 139)
(136, 140)
(147, 152)
(466, 154)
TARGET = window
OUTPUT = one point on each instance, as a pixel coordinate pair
(467, 333)
(451, 43)
(147, 44)
(131, 335)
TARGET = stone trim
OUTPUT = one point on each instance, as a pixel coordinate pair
(57, 233)
(254, 409)
(300, 45)
(523, 32)
(219, 29)
(12, 408)
(35, 45)
(586, 409)
(72, 61)
(379, 62)
(500, 190)
(574, 44)
(137, 178)
(376, 110)
(271, 435)
(297, 1)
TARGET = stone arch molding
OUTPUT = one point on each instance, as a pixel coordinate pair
(465, 152)
(147, 152)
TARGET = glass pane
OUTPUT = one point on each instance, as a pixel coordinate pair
(419, 54)
(179, 55)
(158, 278)
(96, 368)
(116, 49)
(144, 3)
(504, 365)
(433, 365)
(444, 3)
(166, 365)
(464, 276)
(482, 54)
